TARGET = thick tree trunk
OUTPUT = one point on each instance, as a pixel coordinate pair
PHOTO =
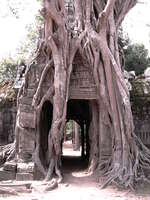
(91, 29)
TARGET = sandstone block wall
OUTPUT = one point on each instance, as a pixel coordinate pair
(7, 122)
(8, 112)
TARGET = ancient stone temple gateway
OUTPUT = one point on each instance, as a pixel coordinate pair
(77, 75)
(78, 109)
(81, 93)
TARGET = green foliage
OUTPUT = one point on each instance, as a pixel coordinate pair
(136, 55)
(18, 9)
(136, 58)
(123, 39)
(28, 47)
(69, 125)
(8, 68)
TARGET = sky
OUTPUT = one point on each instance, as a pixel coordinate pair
(13, 31)
(137, 23)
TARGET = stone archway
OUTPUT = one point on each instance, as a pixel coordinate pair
(79, 111)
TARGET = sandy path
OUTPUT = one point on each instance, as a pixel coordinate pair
(78, 185)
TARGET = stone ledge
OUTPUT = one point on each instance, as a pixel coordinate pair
(24, 177)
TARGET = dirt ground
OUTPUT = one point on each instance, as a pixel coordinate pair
(79, 185)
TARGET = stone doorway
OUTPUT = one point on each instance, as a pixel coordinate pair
(78, 111)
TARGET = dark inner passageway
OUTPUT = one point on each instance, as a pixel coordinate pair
(45, 125)
(79, 112)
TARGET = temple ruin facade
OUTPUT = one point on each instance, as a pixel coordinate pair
(77, 75)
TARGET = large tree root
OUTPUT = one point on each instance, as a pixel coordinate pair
(8, 191)
(45, 186)
(17, 187)
(127, 172)
(54, 167)
(7, 152)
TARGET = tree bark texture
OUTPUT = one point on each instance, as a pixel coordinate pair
(90, 28)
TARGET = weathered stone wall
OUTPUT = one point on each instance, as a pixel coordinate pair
(7, 121)
(7, 112)
(141, 116)
(26, 140)
(140, 101)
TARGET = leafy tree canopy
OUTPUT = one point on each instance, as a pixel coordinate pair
(27, 48)
(8, 68)
(136, 58)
